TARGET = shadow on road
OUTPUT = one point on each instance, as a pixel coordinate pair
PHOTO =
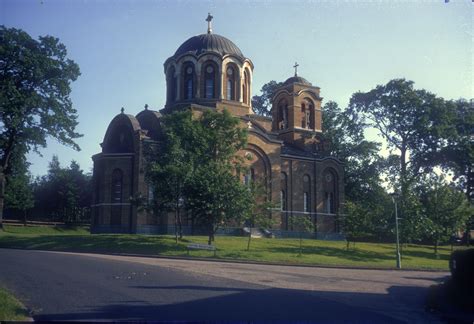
(400, 305)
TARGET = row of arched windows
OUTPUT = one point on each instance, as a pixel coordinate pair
(329, 187)
(209, 82)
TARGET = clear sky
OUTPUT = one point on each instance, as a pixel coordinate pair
(341, 46)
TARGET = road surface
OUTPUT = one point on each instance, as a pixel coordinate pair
(74, 286)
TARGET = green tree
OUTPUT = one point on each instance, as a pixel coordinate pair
(457, 156)
(170, 164)
(369, 219)
(18, 193)
(262, 104)
(445, 208)
(258, 215)
(301, 224)
(415, 124)
(64, 194)
(194, 167)
(215, 196)
(35, 79)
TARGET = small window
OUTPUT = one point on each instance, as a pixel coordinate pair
(282, 200)
(150, 194)
(189, 89)
(209, 83)
(229, 90)
(230, 95)
(117, 182)
(188, 82)
(306, 202)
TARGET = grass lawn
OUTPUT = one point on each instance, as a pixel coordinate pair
(315, 252)
(10, 308)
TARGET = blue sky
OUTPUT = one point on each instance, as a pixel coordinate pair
(341, 46)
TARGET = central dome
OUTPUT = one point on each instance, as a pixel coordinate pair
(208, 43)
(297, 79)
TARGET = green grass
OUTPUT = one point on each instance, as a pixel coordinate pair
(47, 230)
(10, 308)
(315, 252)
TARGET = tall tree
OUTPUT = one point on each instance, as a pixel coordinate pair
(170, 164)
(215, 194)
(35, 79)
(413, 122)
(458, 153)
(262, 104)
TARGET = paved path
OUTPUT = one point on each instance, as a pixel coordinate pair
(71, 286)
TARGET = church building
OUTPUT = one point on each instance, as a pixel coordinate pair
(285, 152)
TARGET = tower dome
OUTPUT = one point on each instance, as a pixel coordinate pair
(209, 70)
(200, 44)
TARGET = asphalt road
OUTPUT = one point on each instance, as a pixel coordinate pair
(69, 286)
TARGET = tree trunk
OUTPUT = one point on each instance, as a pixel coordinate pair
(25, 221)
(250, 237)
(403, 171)
(211, 234)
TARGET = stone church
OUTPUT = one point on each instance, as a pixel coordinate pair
(285, 152)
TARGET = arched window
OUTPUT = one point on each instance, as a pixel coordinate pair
(230, 83)
(306, 193)
(282, 114)
(284, 188)
(305, 202)
(188, 81)
(116, 190)
(330, 191)
(307, 108)
(209, 80)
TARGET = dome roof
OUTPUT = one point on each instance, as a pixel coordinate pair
(297, 79)
(208, 42)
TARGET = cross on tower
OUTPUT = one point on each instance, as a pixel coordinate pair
(296, 68)
(209, 24)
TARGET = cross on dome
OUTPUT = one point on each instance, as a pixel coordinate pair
(296, 68)
(209, 23)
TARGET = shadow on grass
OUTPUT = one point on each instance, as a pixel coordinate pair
(94, 243)
(425, 255)
(352, 254)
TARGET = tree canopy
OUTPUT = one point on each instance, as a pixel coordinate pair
(412, 121)
(35, 79)
(195, 166)
(262, 104)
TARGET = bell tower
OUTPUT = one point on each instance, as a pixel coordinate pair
(296, 112)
